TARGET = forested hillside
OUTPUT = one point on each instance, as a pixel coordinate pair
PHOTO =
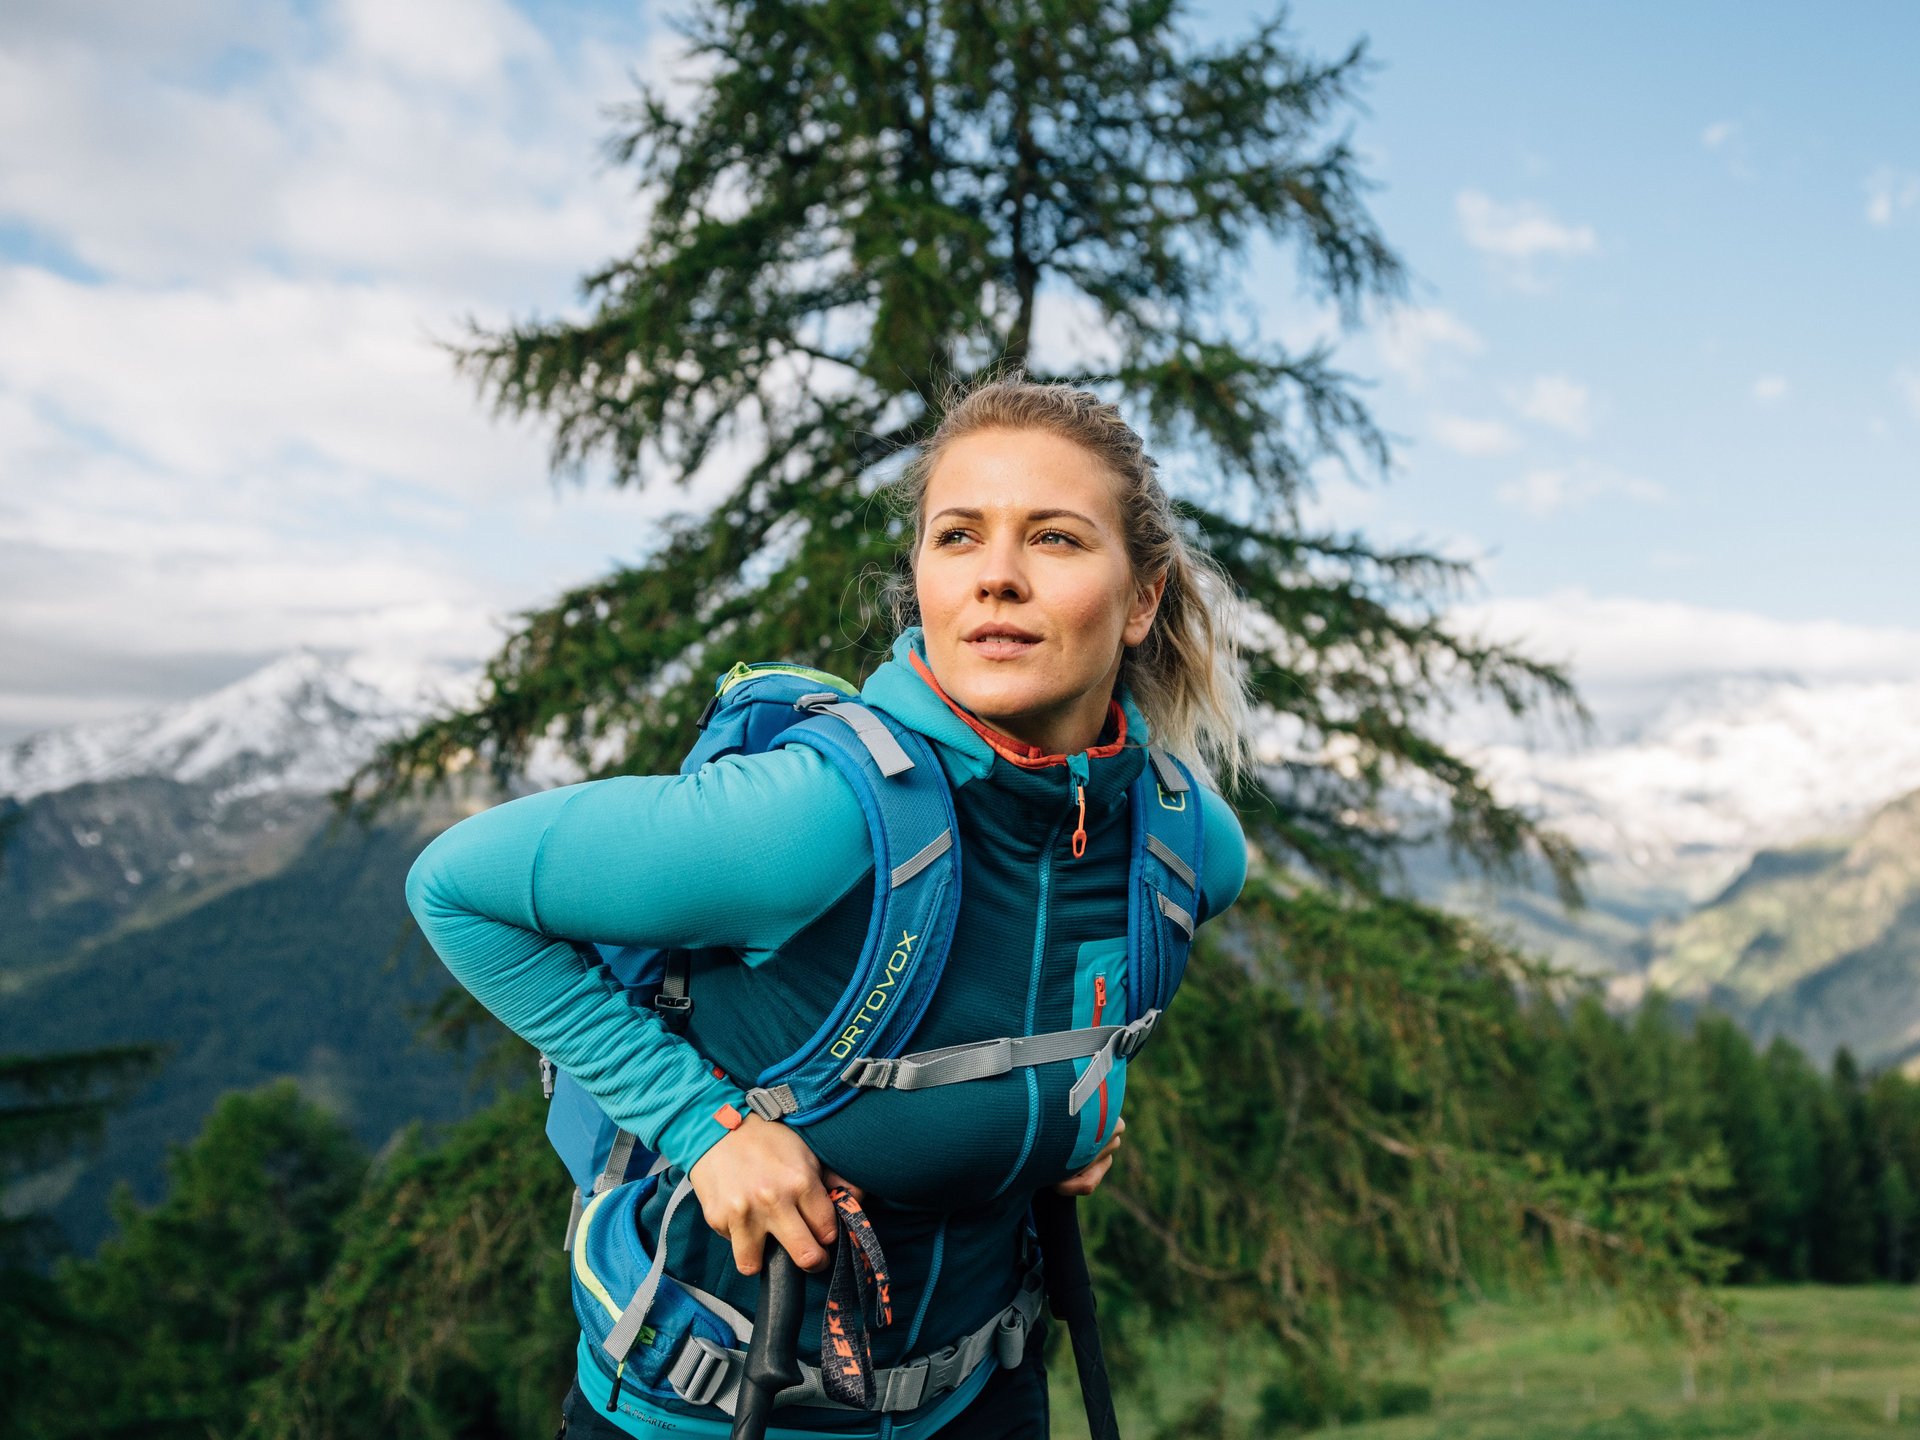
(283, 949)
(1820, 943)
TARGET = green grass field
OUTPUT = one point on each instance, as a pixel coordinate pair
(1801, 1361)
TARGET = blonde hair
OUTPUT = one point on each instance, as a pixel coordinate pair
(1186, 676)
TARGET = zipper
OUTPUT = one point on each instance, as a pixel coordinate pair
(1077, 768)
(1099, 1009)
(1033, 999)
(744, 671)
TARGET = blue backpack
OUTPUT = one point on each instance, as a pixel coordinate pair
(692, 1344)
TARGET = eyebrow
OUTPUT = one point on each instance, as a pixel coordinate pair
(1032, 515)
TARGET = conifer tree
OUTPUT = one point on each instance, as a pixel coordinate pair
(197, 1297)
(50, 1105)
(869, 201)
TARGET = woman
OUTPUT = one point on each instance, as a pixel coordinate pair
(1062, 620)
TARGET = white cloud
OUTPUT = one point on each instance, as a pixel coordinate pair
(1519, 230)
(1558, 401)
(1547, 491)
(1622, 641)
(1770, 389)
(1466, 436)
(215, 380)
(1716, 135)
(1891, 193)
(1411, 338)
(466, 160)
(226, 426)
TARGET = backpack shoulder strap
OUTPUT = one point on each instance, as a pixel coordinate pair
(916, 873)
(1163, 903)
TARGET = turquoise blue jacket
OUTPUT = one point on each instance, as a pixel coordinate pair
(764, 862)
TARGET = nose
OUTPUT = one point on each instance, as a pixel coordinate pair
(1002, 574)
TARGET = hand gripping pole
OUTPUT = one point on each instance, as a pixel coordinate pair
(773, 1359)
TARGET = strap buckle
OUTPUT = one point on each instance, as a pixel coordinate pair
(702, 1372)
(946, 1368)
(674, 1007)
(1128, 1042)
(767, 1103)
(868, 1073)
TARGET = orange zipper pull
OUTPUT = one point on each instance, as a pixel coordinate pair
(1080, 829)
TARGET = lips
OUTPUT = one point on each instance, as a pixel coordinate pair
(1000, 642)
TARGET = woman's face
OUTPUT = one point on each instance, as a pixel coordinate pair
(1026, 594)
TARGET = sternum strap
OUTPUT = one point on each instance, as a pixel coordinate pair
(984, 1059)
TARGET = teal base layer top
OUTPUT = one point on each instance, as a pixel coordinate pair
(764, 863)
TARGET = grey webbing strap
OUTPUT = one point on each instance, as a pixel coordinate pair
(984, 1059)
(618, 1159)
(1164, 853)
(879, 740)
(1165, 771)
(627, 1328)
(1130, 1039)
(573, 1220)
(1174, 913)
(927, 854)
(704, 1373)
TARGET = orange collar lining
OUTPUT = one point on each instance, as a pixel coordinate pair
(1019, 751)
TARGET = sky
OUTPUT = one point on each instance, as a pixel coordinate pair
(1657, 373)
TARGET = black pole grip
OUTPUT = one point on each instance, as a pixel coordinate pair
(1056, 1220)
(773, 1358)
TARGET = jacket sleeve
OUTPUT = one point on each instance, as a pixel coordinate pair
(742, 853)
(1225, 859)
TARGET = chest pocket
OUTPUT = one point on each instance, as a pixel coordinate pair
(1099, 998)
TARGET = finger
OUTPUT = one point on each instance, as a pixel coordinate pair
(833, 1179)
(1084, 1182)
(816, 1208)
(749, 1247)
(790, 1228)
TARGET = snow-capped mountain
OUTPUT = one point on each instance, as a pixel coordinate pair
(1670, 800)
(302, 723)
(1676, 799)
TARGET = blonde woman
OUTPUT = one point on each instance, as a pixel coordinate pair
(1055, 623)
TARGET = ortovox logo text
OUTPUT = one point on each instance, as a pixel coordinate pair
(876, 1000)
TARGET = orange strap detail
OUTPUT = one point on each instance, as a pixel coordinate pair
(729, 1117)
(1080, 828)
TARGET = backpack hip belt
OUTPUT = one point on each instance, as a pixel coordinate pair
(708, 1374)
(652, 1333)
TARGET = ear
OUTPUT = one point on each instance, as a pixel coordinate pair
(1146, 604)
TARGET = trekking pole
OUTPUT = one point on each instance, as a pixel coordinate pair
(773, 1361)
(1056, 1219)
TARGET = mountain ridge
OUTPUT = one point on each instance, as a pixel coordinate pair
(304, 722)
